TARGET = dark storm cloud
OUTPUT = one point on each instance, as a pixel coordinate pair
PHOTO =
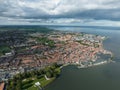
(51, 10)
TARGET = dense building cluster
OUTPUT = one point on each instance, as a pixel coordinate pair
(32, 51)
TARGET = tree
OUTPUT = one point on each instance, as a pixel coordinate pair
(49, 74)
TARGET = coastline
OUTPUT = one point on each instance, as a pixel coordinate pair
(110, 60)
(90, 65)
(80, 66)
(96, 64)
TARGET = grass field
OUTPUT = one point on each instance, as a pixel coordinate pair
(29, 84)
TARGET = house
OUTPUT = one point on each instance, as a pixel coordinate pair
(2, 86)
(8, 54)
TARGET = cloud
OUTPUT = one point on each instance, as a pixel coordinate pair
(59, 11)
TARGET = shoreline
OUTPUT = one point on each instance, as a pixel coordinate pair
(90, 65)
(96, 64)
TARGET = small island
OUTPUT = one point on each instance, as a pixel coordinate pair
(28, 56)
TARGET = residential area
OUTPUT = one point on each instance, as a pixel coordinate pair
(26, 51)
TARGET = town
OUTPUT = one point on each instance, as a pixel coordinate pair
(26, 50)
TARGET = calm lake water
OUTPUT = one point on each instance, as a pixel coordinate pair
(103, 77)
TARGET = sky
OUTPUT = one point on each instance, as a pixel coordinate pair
(60, 12)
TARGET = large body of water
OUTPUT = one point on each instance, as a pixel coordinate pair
(103, 77)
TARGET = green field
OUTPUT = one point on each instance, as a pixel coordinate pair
(4, 49)
(29, 84)
(27, 80)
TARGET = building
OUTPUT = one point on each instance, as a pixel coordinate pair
(2, 86)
